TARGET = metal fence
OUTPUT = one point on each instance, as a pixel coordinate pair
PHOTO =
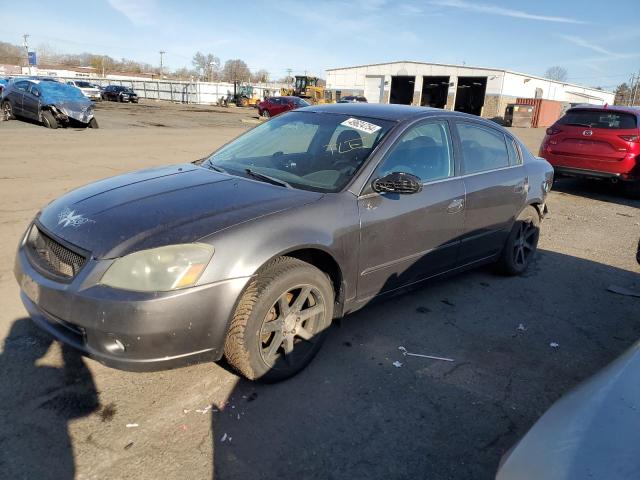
(182, 92)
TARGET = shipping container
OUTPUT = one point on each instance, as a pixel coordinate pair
(545, 112)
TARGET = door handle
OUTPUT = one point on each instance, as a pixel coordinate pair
(456, 205)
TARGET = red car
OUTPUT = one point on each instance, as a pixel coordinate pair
(596, 142)
(273, 106)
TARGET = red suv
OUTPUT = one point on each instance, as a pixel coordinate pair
(273, 106)
(596, 142)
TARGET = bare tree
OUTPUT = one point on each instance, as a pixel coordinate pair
(208, 64)
(236, 71)
(261, 76)
(557, 73)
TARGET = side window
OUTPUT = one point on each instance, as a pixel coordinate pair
(34, 90)
(482, 148)
(515, 156)
(23, 86)
(424, 150)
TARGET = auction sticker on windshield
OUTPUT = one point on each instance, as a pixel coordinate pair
(361, 125)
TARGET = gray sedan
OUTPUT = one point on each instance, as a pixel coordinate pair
(252, 252)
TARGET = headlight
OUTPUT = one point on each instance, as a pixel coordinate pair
(159, 269)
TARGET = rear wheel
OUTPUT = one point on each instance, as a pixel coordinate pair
(7, 110)
(48, 120)
(281, 321)
(521, 244)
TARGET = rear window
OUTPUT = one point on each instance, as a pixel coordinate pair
(599, 119)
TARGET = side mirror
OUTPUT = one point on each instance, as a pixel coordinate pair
(397, 182)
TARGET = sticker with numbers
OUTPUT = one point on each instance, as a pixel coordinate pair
(361, 125)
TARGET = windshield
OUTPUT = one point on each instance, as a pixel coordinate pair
(54, 91)
(599, 119)
(84, 85)
(307, 150)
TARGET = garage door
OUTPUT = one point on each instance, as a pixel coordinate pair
(373, 87)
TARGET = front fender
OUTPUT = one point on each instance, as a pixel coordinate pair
(331, 225)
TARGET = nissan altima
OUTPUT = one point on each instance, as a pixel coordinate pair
(251, 252)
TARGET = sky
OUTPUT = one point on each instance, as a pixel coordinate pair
(596, 42)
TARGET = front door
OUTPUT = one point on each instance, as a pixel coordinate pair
(407, 238)
(31, 103)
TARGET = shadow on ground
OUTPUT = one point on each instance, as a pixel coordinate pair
(352, 414)
(596, 189)
(37, 404)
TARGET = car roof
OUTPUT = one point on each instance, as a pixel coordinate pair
(385, 111)
(615, 108)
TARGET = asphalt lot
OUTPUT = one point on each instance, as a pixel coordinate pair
(351, 413)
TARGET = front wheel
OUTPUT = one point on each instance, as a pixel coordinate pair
(265, 114)
(521, 244)
(281, 321)
(48, 120)
(93, 123)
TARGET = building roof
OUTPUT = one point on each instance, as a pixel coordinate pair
(470, 67)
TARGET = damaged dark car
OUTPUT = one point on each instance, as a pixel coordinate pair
(252, 252)
(50, 103)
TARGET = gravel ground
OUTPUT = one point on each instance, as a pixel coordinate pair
(351, 414)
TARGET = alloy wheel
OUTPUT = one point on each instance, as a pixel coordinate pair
(288, 330)
(525, 242)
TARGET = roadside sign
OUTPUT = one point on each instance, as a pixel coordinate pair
(33, 60)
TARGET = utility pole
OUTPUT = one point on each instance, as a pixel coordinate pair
(634, 89)
(161, 52)
(289, 71)
(25, 39)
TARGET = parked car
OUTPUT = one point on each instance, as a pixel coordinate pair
(89, 90)
(591, 432)
(596, 142)
(253, 251)
(273, 106)
(353, 99)
(118, 93)
(48, 102)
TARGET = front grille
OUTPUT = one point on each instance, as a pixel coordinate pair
(53, 256)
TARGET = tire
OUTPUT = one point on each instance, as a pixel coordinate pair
(521, 245)
(265, 114)
(93, 123)
(261, 331)
(7, 110)
(48, 120)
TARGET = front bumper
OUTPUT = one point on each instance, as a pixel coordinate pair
(129, 330)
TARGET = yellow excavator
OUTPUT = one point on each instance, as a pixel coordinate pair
(306, 87)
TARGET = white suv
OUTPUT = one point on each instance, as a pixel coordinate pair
(88, 89)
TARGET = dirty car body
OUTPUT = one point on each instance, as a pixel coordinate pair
(30, 98)
(374, 197)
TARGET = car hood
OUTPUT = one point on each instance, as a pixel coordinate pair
(592, 432)
(161, 206)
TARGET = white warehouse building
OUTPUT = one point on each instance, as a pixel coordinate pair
(480, 91)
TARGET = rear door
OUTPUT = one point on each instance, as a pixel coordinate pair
(496, 186)
(592, 139)
(16, 94)
(407, 238)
